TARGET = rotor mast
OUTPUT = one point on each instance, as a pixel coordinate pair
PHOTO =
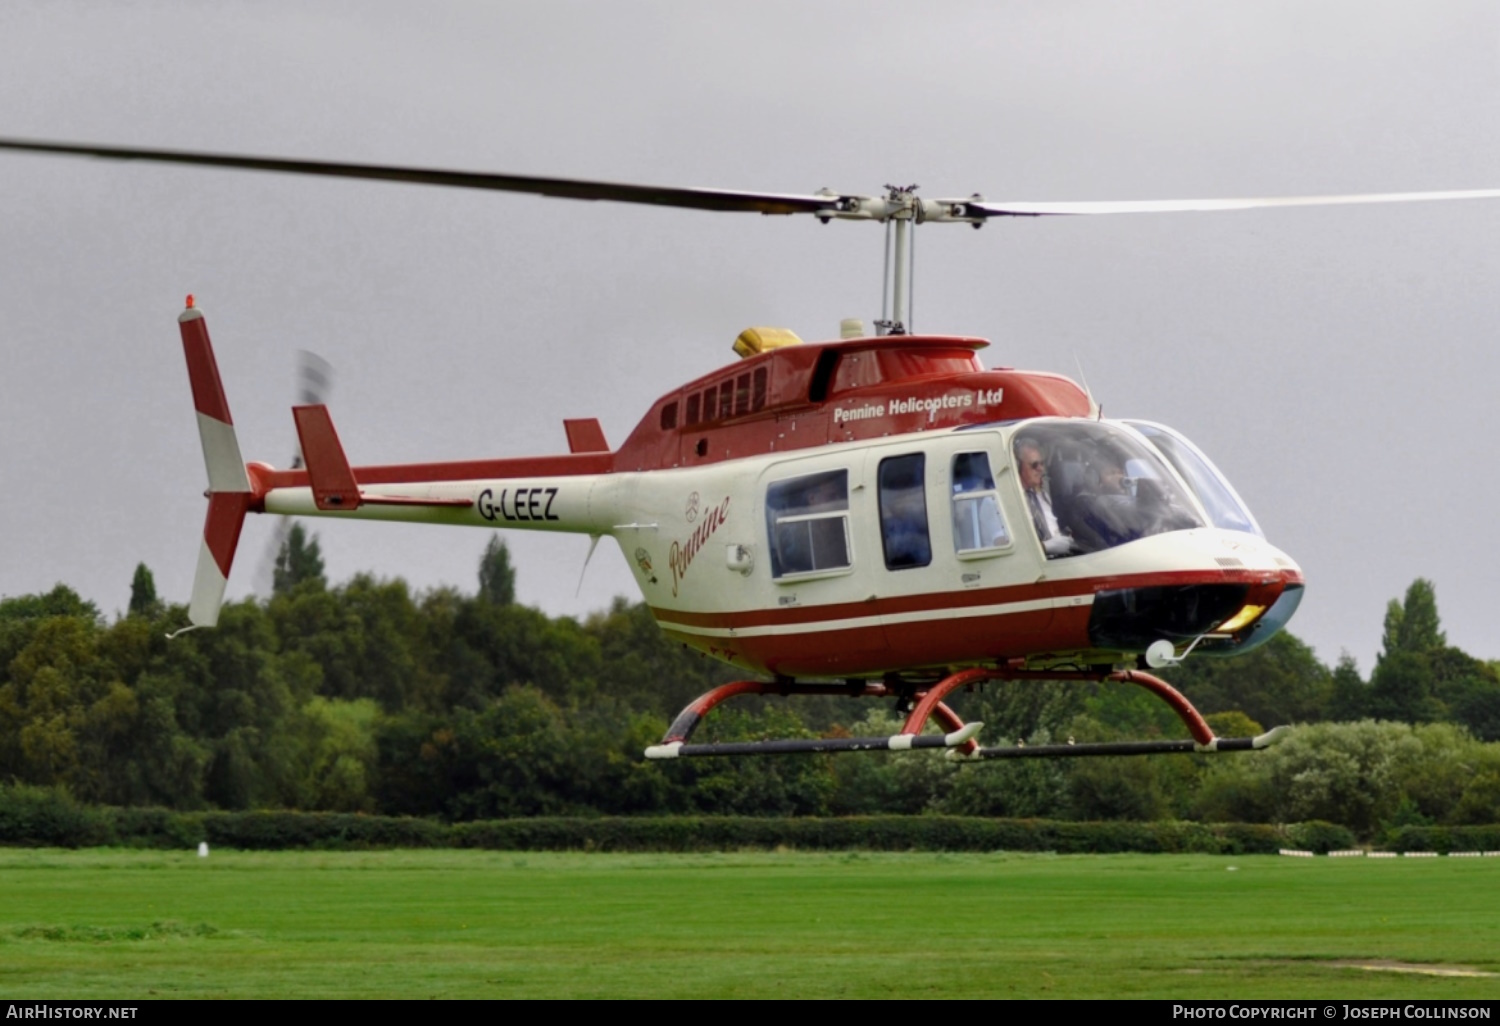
(900, 210)
(900, 263)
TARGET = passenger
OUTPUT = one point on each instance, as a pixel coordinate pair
(904, 527)
(1033, 470)
(976, 521)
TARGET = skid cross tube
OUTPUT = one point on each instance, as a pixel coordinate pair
(959, 737)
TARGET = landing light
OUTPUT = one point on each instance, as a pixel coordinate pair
(1244, 618)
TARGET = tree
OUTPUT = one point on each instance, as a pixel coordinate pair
(1401, 689)
(1403, 685)
(60, 601)
(299, 560)
(1349, 698)
(142, 592)
(1412, 626)
(1280, 682)
(497, 578)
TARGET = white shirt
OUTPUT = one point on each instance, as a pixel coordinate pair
(1051, 535)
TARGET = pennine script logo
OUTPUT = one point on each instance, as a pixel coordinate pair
(680, 556)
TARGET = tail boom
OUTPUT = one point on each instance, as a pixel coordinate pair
(566, 493)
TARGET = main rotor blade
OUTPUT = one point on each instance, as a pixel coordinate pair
(565, 188)
(823, 204)
(1178, 206)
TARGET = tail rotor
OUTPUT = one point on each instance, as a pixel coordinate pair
(314, 383)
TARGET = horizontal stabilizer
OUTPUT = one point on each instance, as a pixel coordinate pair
(333, 484)
(328, 469)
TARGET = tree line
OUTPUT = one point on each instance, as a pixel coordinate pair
(367, 697)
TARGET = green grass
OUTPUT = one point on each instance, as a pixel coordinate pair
(129, 924)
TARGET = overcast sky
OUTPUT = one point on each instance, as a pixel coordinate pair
(1339, 365)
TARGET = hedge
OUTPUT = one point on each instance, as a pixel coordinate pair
(37, 817)
(1444, 839)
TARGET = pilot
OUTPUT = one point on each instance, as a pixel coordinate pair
(1033, 470)
(1111, 471)
(1109, 513)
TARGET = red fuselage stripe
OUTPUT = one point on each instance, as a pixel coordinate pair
(957, 601)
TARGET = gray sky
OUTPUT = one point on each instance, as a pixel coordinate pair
(1337, 364)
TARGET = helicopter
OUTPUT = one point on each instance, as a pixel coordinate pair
(877, 515)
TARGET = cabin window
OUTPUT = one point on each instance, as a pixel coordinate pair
(710, 401)
(897, 364)
(873, 367)
(726, 400)
(669, 416)
(758, 401)
(856, 370)
(742, 395)
(903, 512)
(978, 527)
(807, 519)
(692, 408)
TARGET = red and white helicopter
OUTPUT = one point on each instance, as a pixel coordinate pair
(877, 515)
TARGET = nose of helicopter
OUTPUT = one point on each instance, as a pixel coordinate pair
(1231, 594)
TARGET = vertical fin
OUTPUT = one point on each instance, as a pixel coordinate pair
(230, 494)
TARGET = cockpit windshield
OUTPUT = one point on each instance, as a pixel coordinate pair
(1091, 486)
(1225, 508)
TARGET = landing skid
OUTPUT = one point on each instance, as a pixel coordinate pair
(1073, 751)
(959, 740)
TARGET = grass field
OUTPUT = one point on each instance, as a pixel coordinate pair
(128, 924)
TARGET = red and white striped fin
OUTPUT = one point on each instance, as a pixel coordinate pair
(221, 535)
(230, 492)
(221, 449)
